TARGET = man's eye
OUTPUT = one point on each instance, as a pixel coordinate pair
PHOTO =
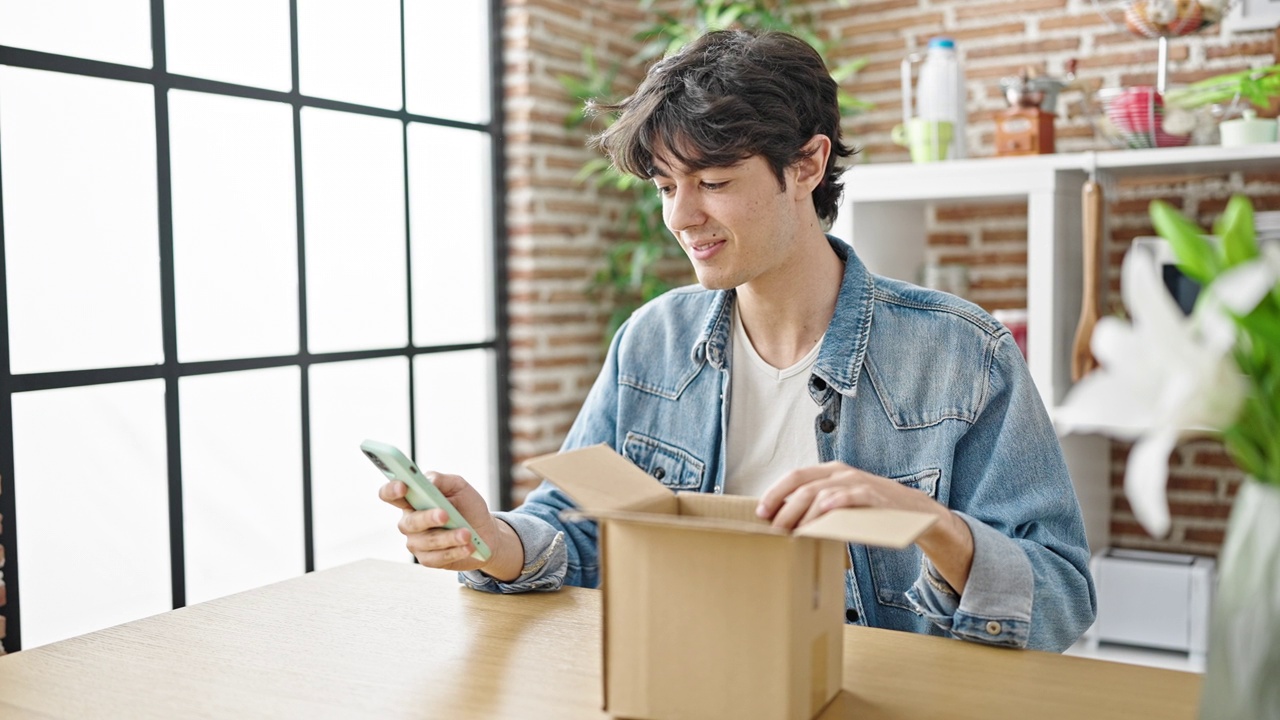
(713, 185)
(665, 189)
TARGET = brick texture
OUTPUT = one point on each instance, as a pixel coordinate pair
(559, 229)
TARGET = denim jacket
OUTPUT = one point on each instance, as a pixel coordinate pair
(910, 384)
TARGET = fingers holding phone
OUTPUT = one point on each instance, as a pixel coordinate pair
(429, 533)
(437, 512)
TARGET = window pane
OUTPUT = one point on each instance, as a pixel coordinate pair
(79, 166)
(350, 51)
(353, 180)
(117, 31)
(352, 402)
(449, 201)
(91, 490)
(241, 480)
(446, 59)
(238, 41)
(235, 240)
(453, 399)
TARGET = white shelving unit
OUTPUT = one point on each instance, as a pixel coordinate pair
(884, 213)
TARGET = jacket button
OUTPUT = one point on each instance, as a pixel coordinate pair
(827, 425)
(993, 628)
(851, 615)
(659, 473)
(817, 383)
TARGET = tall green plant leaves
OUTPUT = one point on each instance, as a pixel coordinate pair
(1253, 439)
(1196, 256)
(1235, 228)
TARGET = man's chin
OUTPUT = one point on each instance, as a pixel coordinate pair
(714, 281)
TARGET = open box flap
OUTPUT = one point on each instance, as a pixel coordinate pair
(869, 526)
(600, 480)
(686, 522)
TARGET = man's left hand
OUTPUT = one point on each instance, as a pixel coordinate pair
(804, 494)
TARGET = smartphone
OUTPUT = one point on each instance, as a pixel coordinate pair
(422, 494)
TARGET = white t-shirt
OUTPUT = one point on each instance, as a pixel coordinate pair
(771, 418)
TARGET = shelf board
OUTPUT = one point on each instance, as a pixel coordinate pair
(999, 178)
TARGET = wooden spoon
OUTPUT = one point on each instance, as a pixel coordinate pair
(1082, 360)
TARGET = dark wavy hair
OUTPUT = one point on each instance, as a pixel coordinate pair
(725, 97)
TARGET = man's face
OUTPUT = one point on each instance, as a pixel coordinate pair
(735, 223)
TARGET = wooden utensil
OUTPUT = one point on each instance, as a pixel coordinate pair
(1082, 360)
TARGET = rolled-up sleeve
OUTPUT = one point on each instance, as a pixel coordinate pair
(996, 605)
(1029, 583)
(545, 559)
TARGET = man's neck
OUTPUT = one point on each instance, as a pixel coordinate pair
(786, 313)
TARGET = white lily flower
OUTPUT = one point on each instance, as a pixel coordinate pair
(1241, 288)
(1161, 376)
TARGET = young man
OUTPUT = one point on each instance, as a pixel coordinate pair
(796, 375)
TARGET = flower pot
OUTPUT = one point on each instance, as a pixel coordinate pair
(1248, 130)
(1243, 678)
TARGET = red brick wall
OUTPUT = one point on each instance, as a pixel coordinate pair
(558, 228)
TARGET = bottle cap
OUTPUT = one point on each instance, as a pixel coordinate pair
(942, 42)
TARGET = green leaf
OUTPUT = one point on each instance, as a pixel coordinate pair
(1235, 227)
(1196, 256)
(846, 70)
(1245, 450)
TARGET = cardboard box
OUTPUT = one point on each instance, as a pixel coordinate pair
(709, 612)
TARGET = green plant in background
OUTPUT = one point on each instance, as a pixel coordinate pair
(1245, 283)
(1164, 376)
(1258, 87)
(630, 275)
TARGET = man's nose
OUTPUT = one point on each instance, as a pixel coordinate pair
(683, 210)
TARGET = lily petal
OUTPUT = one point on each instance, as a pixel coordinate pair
(1149, 302)
(1241, 288)
(1144, 480)
(1103, 402)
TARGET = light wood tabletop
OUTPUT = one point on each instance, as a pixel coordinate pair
(382, 639)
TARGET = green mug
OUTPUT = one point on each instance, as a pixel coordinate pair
(928, 140)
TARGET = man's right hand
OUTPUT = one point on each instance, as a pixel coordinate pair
(434, 546)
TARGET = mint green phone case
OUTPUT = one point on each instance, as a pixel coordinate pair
(422, 494)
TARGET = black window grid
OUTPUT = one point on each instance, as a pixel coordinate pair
(171, 370)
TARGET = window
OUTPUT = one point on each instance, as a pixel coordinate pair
(237, 238)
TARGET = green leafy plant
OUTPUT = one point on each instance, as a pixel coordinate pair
(1244, 283)
(1257, 87)
(1165, 376)
(630, 276)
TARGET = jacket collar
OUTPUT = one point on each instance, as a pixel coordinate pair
(844, 348)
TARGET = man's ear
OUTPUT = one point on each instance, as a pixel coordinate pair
(808, 172)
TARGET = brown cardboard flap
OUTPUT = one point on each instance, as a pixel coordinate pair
(687, 522)
(730, 507)
(869, 526)
(600, 480)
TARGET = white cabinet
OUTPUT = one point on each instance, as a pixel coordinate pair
(884, 211)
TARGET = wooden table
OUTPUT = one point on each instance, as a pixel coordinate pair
(381, 639)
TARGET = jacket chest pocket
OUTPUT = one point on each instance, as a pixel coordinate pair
(676, 468)
(894, 571)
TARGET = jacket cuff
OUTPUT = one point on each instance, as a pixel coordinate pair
(546, 561)
(995, 608)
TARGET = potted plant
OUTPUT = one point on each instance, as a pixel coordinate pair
(1164, 376)
(1252, 89)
